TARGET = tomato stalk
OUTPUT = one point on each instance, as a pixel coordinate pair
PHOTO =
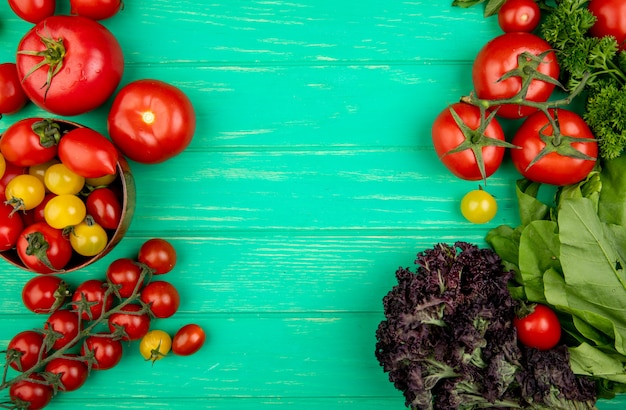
(49, 132)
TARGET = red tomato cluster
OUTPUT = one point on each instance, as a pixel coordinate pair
(514, 75)
(73, 340)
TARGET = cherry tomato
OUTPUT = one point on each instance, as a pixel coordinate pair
(64, 211)
(158, 254)
(30, 141)
(107, 352)
(101, 182)
(35, 393)
(519, 15)
(45, 293)
(39, 170)
(24, 192)
(610, 21)
(539, 329)
(126, 274)
(37, 214)
(11, 226)
(155, 345)
(500, 56)
(88, 238)
(93, 297)
(448, 135)
(162, 297)
(30, 344)
(88, 153)
(95, 9)
(66, 323)
(12, 96)
(11, 171)
(72, 371)
(33, 11)
(478, 206)
(105, 207)
(134, 323)
(59, 179)
(43, 249)
(151, 121)
(554, 168)
(91, 71)
(188, 340)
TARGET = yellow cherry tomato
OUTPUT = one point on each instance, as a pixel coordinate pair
(59, 179)
(88, 238)
(24, 192)
(479, 206)
(3, 165)
(155, 345)
(39, 170)
(64, 210)
(101, 181)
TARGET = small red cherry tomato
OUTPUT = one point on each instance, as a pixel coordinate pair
(94, 293)
(188, 340)
(73, 373)
(162, 297)
(66, 323)
(95, 9)
(539, 329)
(29, 344)
(104, 207)
(44, 293)
(12, 96)
(519, 15)
(35, 393)
(135, 324)
(107, 352)
(125, 273)
(33, 11)
(158, 254)
(11, 226)
(43, 249)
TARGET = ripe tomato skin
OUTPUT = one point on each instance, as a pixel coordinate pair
(479, 206)
(73, 372)
(12, 96)
(124, 272)
(188, 340)
(44, 293)
(158, 254)
(155, 345)
(88, 238)
(30, 343)
(38, 395)
(446, 135)
(519, 15)
(64, 211)
(88, 153)
(92, 291)
(24, 192)
(500, 56)
(104, 207)
(162, 297)
(33, 11)
(135, 325)
(610, 20)
(91, 71)
(58, 253)
(151, 121)
(540, 329)
(10, 172)
(553, 168)
(107, 351)
(95, 9)
(65, 322)
(11, 225)
(30, 141)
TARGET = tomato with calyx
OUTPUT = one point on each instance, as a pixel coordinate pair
(45, 293)
(95, 9)
(104, 207)
(69, 83)
(538, 327)
(33, 11)
(610, 20)
(126, 275)
(556, 157)
(151, 121)
(92, 298)
(25, 349)
(512, 64)
(469, 143)
(65, 325)
(106, 352)
(88, 153)
(73, 373)
(12, 96)
(134, 322)
(519, 15)
(32, 391)
(155, 345)
(43, 249)
(162, 297)
(24, 192)
(30, 141)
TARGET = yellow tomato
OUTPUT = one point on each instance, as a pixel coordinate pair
(39, 170)
(478, 206)
(65, 210)
(155, 345)
(59, 179)
(102, 181)
(24, 192)
(88, 238)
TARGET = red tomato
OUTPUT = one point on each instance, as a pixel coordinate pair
(125, 273)
(162, 297)
(158, 254)
(556, 168)
(35, 393)
(95, 9)
(104, 207)
(91, 71)
(66, 323)
(31, 141)
(519, 15)
(188, 340)
(610, 20)
(151, 121)
(448, 135)
(540, 329)
(500, 56)
(29, 343)
(10, 172)
(88, 153)
(33, 11)
(43, 249)
(135, 324)
(93, 292)
(11, 226)
(12, 96)
(37, 214)
(73, 372)
(44, 293)
(106, 351)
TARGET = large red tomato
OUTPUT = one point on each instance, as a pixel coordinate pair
(501, 56)
(12, 96)
(151, 121)
(69, 64)
(610, 20)
(43, 249)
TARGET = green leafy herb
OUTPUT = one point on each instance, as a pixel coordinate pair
(491, 6)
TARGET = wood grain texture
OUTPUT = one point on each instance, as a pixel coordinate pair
(310, 180)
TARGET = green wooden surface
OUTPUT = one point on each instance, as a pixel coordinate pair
(311, 178)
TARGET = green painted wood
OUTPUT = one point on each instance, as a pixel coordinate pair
(311, 178)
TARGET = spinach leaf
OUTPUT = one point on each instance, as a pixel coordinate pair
(539, 251)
